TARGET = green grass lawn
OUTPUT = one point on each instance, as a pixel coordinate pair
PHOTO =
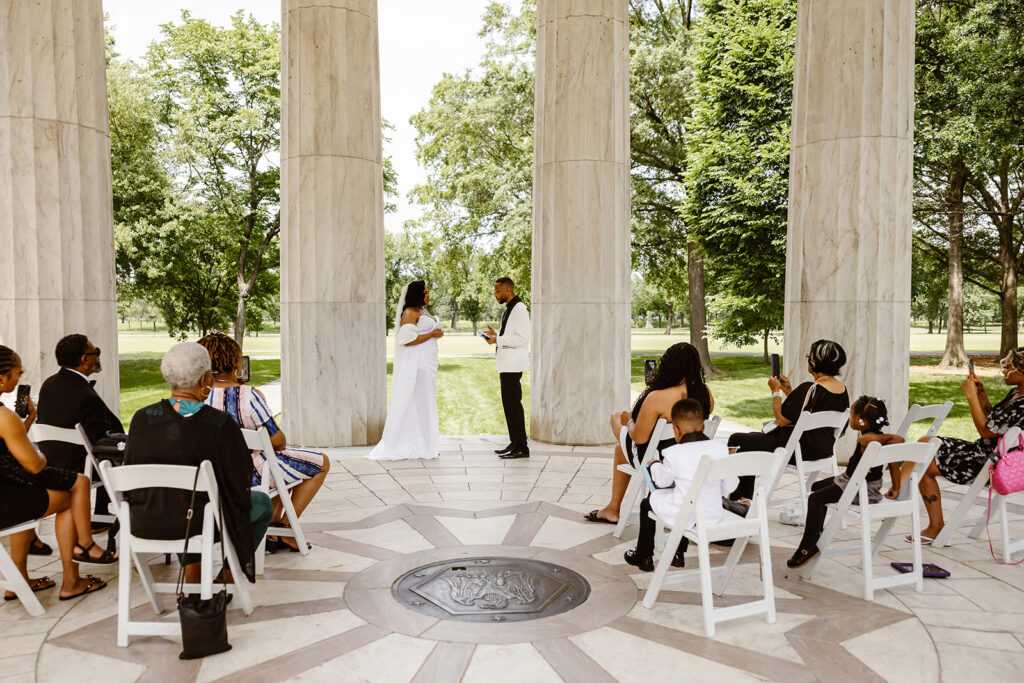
(469, 401)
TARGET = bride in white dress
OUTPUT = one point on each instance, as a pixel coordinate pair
(411, 429)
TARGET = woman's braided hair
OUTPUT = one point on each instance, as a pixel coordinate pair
(225, 353)
(8, 360)
(680, 362)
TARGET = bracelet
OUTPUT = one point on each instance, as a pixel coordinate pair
(776, 394)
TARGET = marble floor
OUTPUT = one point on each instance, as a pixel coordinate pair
(330, 615)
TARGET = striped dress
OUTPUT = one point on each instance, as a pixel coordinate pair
(248, 408)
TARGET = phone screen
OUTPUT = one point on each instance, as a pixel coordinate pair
(775, 365)
(485, 336)
(21, 402)
(244, 376)
(650, 365)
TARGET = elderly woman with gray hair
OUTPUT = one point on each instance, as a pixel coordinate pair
(181, 430)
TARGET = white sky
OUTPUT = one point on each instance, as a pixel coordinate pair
(419, 41)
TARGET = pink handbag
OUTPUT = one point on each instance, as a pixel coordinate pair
(1008, 471)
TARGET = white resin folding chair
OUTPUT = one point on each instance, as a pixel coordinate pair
(74, 435)
(998, 511)
(856, 492)
(763, 465)
(807, 471)
(259, 440)
(11, 579)
(133, 477)
(936, 412)
(637, 488)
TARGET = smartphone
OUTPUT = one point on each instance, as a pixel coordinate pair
(485, 335)
(775, 365)
(244, 374)
(970, 366)
(650, 365)
(21, 402)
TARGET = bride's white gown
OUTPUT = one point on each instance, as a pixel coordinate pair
(411, 429)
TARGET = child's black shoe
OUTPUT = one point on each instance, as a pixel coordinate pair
(644, 564)
(801, 557)
(679, 560)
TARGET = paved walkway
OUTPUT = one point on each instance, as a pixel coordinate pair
(330, 615)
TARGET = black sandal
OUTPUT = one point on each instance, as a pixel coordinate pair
(106, 558)
(95, 584)
(39, 548)
(592, 517)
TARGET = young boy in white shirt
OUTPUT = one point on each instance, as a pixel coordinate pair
(672, 475)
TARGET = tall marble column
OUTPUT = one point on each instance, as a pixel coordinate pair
(848, 253)
(581, 241)
(56, 213)
(332, 224)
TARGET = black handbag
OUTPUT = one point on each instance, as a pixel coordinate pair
(204, 626)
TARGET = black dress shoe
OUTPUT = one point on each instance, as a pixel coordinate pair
(502, 451)
(801, 557)
(644, 564)
(679, 560)
(516, 453)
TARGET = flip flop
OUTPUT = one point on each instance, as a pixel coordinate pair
(924, 539)
(95, 584)
(592, 517)
(40, 584)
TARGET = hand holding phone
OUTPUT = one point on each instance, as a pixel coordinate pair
(775, 365)
(970, 367)
(485, 335)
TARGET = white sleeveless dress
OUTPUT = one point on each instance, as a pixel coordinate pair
(411, 430)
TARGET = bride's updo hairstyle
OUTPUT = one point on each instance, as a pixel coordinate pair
(415, 294)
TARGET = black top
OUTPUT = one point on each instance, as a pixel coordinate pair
(508, 311)
(160, 436)
(66, 399)
(694, 436)
(816, 444)
(874, 474)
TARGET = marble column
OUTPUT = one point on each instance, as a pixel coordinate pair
(56, 213)
(332, 224)
(581, 240)
(850, 199)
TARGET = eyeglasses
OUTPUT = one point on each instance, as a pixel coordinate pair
(93, 353)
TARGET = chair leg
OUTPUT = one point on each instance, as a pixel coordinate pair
(865, 542)
(957, 519)
(661, 569)
(915, 520)
(731, 560)
(630, 501)
(124, 593)
(147, 583)
(1004, 525)
(706, 595)
(767, 580)
(16, 582)
(241, 586)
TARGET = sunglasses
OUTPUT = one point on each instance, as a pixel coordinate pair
(93, 353)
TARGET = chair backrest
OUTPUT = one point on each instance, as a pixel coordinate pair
(132, 477)
(259, 439)
(763, 465)
(808, 422)
(711, 426)
(41, 432)
(936, 412)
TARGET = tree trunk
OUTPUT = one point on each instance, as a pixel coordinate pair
(929, 326)
(955, 356)
(767, 360)
(668, 319)
(650, 321)
(1008, 287)
(455, 314)
(240, 319)
(698, 308)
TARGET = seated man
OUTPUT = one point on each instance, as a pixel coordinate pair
(68, 398)
(673, 475)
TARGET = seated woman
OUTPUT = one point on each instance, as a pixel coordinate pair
(247, 406)
(679, 375)
(961, 461)
(29, 490)
(824, 393)
(182, 430)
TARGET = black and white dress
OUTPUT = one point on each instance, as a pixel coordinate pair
(960, 461)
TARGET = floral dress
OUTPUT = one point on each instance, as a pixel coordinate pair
(248, 408)
(960, 461)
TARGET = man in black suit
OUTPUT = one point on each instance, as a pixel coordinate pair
(68, 398)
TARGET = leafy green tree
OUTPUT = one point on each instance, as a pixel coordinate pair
(475, 139)
(219, 98)
(737, 178)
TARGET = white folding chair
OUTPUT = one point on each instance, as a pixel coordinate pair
(998, 511)
(74, 435)
(259, 440)
(807, 471)
(763, 465)
(637, 488)
(936, 412)
(11, 579)
(856, 491)
(133, 477)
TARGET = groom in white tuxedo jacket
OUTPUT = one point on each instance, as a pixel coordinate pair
(511, 361)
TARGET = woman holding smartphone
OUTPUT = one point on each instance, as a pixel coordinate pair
(29, 489)
(961, 461)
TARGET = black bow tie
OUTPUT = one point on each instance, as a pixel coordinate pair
(92, 382)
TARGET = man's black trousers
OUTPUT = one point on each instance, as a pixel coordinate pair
(512, 402)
